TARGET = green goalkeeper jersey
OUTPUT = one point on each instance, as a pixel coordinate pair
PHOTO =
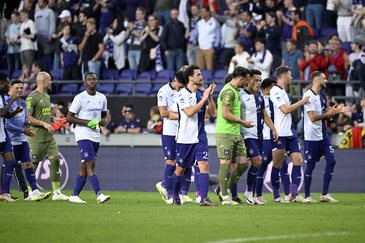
(39, 106)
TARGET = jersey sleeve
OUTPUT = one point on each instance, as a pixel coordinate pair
(75, 105)
(310, 106)
(276, 96)
(161, 98)
(31, 102)
(227, 97)
(105, 103)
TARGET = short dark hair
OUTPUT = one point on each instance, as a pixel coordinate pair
(262, 40)
(240, 71)
(206, 8)
(4, 77)
(15, 81)
(190, 71)
(291, 41)
(84, 12)
(241, 45)
(37, 64)
(142, 9)
(248, 12)
(267, 82)
(297, 12)
(315, 74)
(279, 71)
(180, 77)
(89, 73)
(255, 72)
(228, 78)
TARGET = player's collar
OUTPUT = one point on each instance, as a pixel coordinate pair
(186, 87)
(278, 86)
(313, 91)
(171, 86)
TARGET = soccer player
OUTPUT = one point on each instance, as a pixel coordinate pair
(287, 142)
(16, 129)
(253, 109)
(88, 111)
(191, 139)
(230, 143)
(43, 143)
(316, 140)
(165, 102)
(6, 148)
(268, 141)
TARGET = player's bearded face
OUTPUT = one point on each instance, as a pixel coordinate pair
(198, 78)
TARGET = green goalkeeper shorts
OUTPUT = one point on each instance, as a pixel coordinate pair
(230, 146)
(39, 150)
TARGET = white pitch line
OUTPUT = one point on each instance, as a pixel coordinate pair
(280, 237)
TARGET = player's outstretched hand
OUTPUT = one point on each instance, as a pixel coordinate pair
(341, 108)
(305, 100)
(276, 135)
(207, 92)
(213, 85)
(248, 124)
(28, 132)
(93, 123)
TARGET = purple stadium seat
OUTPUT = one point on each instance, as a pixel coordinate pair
(146, 75)
(143, 88)
(327, 32)
(207, 74)
(156, 87)
(166, 74)
(220, 74)
(106, 88)
(57, 74)
(82, 88)
(4, 71)
(16, 74)
(347, 46)
(68, 89)
(124, 89)
(218, 81)
(110, 74)
(218, 89)
(129, 74)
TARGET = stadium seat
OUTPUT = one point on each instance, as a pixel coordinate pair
(110, 74)
(166, 74)
(347, 46)
(143, 89)
(129, 74)
(16, 74)
(68, 89)
(82, 88)
(57, 74)
(327, 32)
(156, 87)
(146, 75)
(207, 74)
(218, 89)
(220, 74)
(218, 80)
(106, 88)
(124, 89)
(4, 71)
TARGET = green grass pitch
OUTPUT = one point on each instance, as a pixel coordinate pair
(143, 217)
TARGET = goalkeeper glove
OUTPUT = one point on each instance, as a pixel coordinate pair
(57, 125)
(93, 123)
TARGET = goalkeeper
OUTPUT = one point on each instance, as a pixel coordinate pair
(88, 111)
(43, 144)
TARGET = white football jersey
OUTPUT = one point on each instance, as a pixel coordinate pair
(88, 107)
(269, 107)
(2, 124)
(188, 128)
(282, 122)
(313, 130)
(251, 110)
(165, 97)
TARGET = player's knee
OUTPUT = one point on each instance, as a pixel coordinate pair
(256, 161)
(171, 162)
(203, 167)
(27, 165)
(54, 160)
(179, 170)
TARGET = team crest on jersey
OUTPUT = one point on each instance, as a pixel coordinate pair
(226, 152)
(160, 98)
(182, 100)
(251, 151)
(278, 98)
(181, 160)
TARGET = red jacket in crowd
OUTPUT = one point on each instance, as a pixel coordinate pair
(339, 62)
(317, 63)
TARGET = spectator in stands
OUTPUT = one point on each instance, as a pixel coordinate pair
(229, 31)
(240, 59)
(312, 61)
(130, 124)
(314, 12)
(65, 19)
(262, 58)
(193, 20)
(80, 25)
(109, 129)
(45, 22)
(69, 55)
(135, 31)
(208, 36)
(263, 7)
(286, 20)
(247, 31)
(358, 11)
(104, 9)
(173, 41)
(114, 41)
(92, 48)
(343, 9)
(302, 32)
(25, 75)
(272, 35)
(292, 58)
(162, 10)
(150, 41)
(12, 35)
(355, 63)
(336, 57)
(28, 44)
(352, 117)
(154, 124)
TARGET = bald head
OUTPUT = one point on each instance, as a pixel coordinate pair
(44, 81)
(41, 76)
